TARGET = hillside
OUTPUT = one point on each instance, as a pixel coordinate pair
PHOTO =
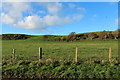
(102, 35)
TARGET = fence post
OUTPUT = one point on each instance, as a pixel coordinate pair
(40, 53)
(76, 55)
(110, 54)
(13, 53)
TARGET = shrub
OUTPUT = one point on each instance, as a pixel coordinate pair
(14, 36)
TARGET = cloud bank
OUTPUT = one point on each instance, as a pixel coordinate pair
(24, 15)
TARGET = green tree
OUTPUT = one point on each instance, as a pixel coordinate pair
(71, 36)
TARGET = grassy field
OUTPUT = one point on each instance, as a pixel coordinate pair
(59, 50)
(58, 59)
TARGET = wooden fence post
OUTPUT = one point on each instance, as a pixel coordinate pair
(110, 54)
(76, 55)
(13, 54)
(40, 53)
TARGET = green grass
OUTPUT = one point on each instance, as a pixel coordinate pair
(58, 59)
(35, 69)
(59, 50)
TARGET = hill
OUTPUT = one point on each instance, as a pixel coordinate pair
(102, 35)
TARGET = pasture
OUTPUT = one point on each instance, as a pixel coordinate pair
(58, 59)
(59, 50)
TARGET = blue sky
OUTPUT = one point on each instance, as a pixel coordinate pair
(59, 18)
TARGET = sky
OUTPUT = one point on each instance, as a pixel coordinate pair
(58, 18)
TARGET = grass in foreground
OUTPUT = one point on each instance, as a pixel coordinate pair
(57, 69)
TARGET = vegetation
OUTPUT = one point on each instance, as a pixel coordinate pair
(55, 69)
(103, 35)
(58, 56)
(14, 36)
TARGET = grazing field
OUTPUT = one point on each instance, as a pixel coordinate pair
(58, 59)
(59, 50)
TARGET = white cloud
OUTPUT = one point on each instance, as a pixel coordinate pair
(117, 21)
(77, 17)
(52, 20)
(71, 5)
(81, 9)
(43, 12)
(14, 10)
(56, 20)
(30, 22)
(7, 19)
(36, 22)
(13, 14)
(53, 7)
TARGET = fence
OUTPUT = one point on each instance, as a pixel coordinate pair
(76, 54)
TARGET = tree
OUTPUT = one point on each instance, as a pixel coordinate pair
(72, 33)
(71, 36)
